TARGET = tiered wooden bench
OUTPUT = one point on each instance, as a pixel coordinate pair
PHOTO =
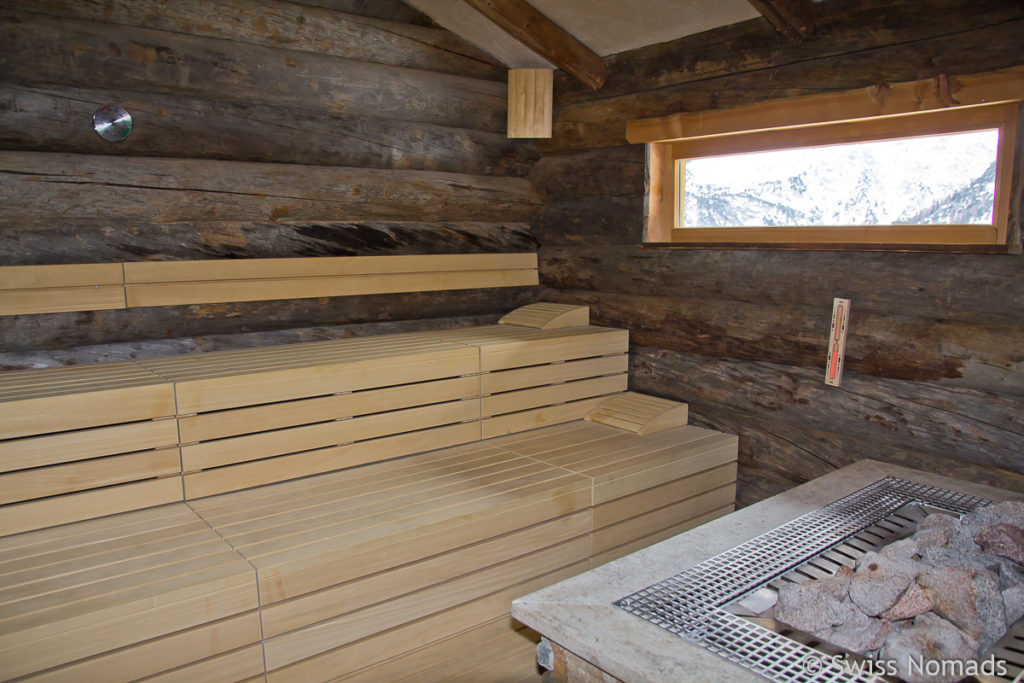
(370, 565)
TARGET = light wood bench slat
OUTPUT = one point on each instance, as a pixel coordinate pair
(347, 659)
(525, 399)
(61, 299)
(244, 664)
(249, 361)
(291, 574)
(224, 479)
(361, 519)
(266, 387)
(304, 411)
(47, 414)
(81, 377)
(37, 451)
(163, 654)
(446, 658)
(16, 570)
(188, 293)
(297, 645)
(240, 269)
(104, 286)
(539, 375)
(621, 509)
(538, 417)
(71, 507)
(93, 583)
(86, 533)
(72, 275)
(127, 623)
(89, 474)
(257, 508)
(303, 611)
(324, 434)
(647, 523)
(642, 542)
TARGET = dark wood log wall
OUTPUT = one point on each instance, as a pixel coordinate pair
(935, 368)
(262, 129)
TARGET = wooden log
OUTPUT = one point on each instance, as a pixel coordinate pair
(163, 190)
(774, 457)
(601, 123)
(536, 31)
(291, 27)
(964, 355)
(853, 26)
(878, 283)
(70, 241)
(54, 119)
(613, 171)
(607, 220)
(986, 432)
(792, 18)
(381, 313)
(39, 49)
(393, 10)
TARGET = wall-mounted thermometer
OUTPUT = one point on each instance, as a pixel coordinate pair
(837, 341)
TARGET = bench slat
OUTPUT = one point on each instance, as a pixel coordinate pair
(71, 507)
(224, 479)
(304, 411)
(88, 474)
(37, 451)
(162, 654)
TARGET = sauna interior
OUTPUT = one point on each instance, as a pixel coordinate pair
(328, 328)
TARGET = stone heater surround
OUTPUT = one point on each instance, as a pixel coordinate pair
(579, 614)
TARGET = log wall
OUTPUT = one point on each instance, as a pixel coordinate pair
(262, 129)
(935, 359)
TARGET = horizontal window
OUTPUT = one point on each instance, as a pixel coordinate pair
(940, 177)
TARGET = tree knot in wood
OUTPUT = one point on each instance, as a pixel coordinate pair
(879, 94)
(946, 87)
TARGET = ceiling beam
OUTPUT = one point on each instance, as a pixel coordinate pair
(552, 42)
(793, 18)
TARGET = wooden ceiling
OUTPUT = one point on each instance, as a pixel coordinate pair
(574, 34)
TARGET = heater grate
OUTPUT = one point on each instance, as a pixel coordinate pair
(696, 603)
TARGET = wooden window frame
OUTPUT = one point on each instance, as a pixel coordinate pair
(835, 118)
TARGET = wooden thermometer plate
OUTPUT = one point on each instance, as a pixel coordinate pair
(837, 342)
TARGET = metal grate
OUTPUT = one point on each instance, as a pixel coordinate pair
(692, 604)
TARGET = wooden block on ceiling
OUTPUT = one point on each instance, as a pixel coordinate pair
(547, 316)
(530, 95)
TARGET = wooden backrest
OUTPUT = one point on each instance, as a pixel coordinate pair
(100, 286)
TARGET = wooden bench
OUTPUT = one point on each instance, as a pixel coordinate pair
(371, 565)
(104, 286)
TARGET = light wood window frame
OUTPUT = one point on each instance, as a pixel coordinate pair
(835, 118)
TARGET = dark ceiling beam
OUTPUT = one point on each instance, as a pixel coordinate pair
(793, 18)
(552, 42)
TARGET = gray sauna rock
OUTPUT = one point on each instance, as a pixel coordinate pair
(862, 635)
(932, 638)
(1013, 603)
(880, 580)
(915, 600)
(970, 599)
(1002, 540)
(806, 608)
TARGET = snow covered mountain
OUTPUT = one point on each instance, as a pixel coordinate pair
(926, 180)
